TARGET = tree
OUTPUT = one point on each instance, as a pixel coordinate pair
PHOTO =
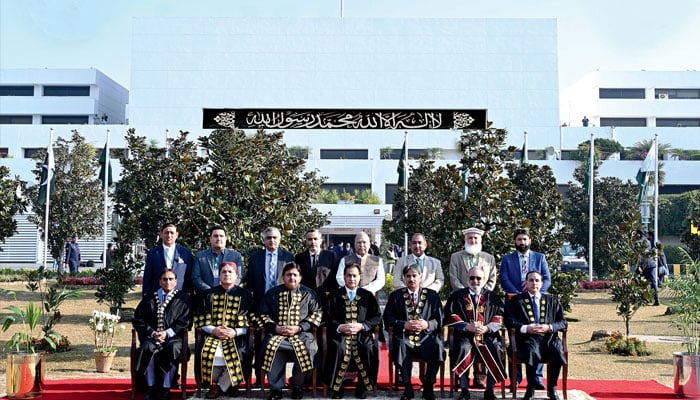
(10, 203)
(77, 204)
(244, 183)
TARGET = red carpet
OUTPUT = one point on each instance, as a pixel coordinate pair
(109, 389)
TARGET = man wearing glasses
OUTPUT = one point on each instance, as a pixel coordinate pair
(476, 314)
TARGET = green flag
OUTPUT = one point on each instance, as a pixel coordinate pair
(103, 160)
(587, 180)
(47, 176)
(402, 169)
(645, 172)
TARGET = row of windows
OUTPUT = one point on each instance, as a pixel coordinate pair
(49, 90)
(639, 93)
(30, 152)
(45, 119)
(385, 154)
(640, 122)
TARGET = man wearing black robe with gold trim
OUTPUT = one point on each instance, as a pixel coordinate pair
(476, 314)
(352, 315)
(415, 315)
(536, 318)
(224, 321)
(289, 313)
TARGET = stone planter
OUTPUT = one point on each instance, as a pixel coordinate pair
(687, 381)
(104, 360)
(25, 375)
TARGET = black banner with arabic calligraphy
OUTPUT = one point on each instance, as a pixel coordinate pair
(221, 118)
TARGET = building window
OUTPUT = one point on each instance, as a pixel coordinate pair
(64, 119)
(616, 93)
(623, 122)
(346, 187)
(680, 122)
(344, 154)
(677, 94)
(16, 119)
(395, 154)
(4, 151)
(390, 190)
(30, 152)
(16, 90)
(66, 90)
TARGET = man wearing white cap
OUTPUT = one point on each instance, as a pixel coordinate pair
(472, 256)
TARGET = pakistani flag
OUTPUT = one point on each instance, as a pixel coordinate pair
(402, 169)
(103, 162)
(523, 154)
(47, 176)
(645, 172)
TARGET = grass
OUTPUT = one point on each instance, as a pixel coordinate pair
(588, 360)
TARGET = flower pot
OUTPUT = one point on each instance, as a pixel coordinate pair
(25, 375)
(687, 381)
(104, 360)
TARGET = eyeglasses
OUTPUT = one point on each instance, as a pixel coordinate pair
(475, 278)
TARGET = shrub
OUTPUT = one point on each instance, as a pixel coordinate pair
(621, 345)
(675, 254)
(595, 285)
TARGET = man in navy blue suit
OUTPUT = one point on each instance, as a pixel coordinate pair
(168, 255)
(317, 266)
(205, 272)
(515, 267)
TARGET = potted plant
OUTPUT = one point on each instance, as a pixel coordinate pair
(685, 304)
(104, 326)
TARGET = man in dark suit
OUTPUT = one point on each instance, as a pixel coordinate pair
(205, 272)
(317, 266)
(168, 255)
(537, 318)
(73, 255)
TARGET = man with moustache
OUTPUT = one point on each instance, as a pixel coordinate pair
(537, 318)
(168, 255)
(205, 271)
(472, 256)
(476, 314)
(415, 315)
(432, 276)
(318, 267)
(289, 313)
(372, 267)
(223, 318)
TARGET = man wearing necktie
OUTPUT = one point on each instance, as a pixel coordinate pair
(352, 315)
(415, 315)
(472, 256)
(318, 267)
(168, 255)
(432, 276)
(536, 318)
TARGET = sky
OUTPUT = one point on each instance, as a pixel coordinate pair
(606, 35)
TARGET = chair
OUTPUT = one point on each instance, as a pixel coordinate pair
(454, 379)
(183, 364)
(247, 372)
(515, 361)
(264, 372)
(394, 374)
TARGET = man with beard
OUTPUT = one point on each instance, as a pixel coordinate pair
(415, 315)
(537, 318)
(472, 256)
(476, 315)
(514, 267)
(224, 320)
(289, 312)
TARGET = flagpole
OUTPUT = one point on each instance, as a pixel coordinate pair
(525, 149)
(656, 203)
(590, 209)
(106, 198)
(48, 192)
(405, 185)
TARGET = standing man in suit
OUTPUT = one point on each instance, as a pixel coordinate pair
(537, 318)
(432, 276)
(317, 266)
(372, 267)
(73, 255)
(205, 272)
(168, 255)
(472, 256)
(517, 264)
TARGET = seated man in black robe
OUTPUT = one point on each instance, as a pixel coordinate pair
(289, 313)
(159, 319)
(352, 315)
(415, 315)
(476, 314)
(224, 321)
(537, 318)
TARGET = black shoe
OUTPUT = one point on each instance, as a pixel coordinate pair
(297, 393)
(428, 393)
(214, 392)
(464, 395)
(529, 394)
(360, 392)
(489, 394)
(552, 394)
(233, 391)
(407, 394)
(275, 394)
(151, 393)
(165, 394)
(337, 394)
(539, 385)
